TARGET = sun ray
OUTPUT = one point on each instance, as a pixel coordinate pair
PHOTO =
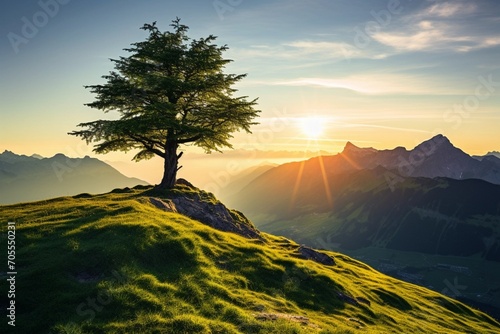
(350, 161)
(325, 182)
(297, 185)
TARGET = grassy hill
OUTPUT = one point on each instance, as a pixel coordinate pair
(420, 221)
(117, 263)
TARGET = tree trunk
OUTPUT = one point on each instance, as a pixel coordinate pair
(170, 166)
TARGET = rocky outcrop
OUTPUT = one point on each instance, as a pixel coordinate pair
(311, 254)
(205, 208)
(165, 205)
(347, 299)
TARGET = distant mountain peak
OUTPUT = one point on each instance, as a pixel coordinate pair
(442, 139)
(9, 153)
(493, 154)
(439, 135)
(24, 178)
(11, 157)
(350, 145)
(438, 142)
(351, 148)
(59, 156)
(439, 139)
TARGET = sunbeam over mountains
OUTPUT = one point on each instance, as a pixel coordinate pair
(434, 200)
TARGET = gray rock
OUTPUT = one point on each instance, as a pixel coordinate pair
(363, 300)
(347, 299)
(311, 254)
(165, 205)
(204, 208)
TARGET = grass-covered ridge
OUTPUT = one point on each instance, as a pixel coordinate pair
(115, 263)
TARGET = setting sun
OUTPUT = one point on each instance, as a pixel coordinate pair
(311, 127)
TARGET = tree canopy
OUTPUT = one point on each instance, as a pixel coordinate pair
(171, 90)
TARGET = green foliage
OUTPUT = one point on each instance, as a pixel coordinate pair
(150, 271)
(170, 91)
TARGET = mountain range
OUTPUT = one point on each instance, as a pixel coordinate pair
(436, 157)
(434, 202)
(492, 153)
(29, 178)
(239, 181)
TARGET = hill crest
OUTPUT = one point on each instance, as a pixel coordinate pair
(148, 270)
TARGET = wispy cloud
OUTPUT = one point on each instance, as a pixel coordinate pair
(374, 84)
(439, 27)
(448, 9)
(394, 128)
(313, 51)
(332, 49)
(428, 36)
(444, 26)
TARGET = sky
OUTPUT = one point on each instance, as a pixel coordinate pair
(377, 73)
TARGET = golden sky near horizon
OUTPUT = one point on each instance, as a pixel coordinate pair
(379, 74)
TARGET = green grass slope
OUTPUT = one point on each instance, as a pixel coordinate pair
(115, 263)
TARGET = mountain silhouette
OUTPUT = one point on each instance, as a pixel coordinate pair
(24, 178)
(436, 157)
(434, 200)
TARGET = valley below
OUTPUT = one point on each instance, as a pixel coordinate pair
(424, 223)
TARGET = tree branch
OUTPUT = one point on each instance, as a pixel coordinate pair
(189, 140)
(147, 145)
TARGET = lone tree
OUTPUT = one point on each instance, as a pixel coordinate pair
(170, 91)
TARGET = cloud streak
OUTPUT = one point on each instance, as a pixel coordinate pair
(443, 26)
(332, 49)
(316, 52)
(372, 84)
(449, 9)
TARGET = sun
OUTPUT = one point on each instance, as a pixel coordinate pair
(312, 127)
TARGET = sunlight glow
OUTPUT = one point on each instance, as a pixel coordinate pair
(312, 127)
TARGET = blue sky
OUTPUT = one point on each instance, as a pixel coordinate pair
(377, 73)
